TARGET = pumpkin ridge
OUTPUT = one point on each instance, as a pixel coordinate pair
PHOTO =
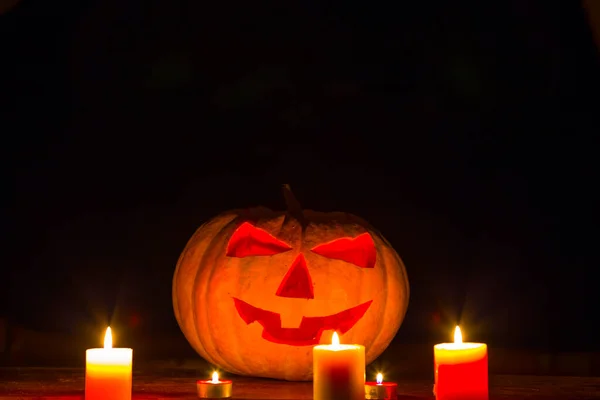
(183, 294)
(194, 309)
(219, 246)
(180, 262)
(381, 322)
(175, 288)
(405, 289)
(195, 306)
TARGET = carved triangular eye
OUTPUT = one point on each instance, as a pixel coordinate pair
(249, 240)
(359, 251)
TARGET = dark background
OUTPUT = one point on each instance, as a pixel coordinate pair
(464, 131)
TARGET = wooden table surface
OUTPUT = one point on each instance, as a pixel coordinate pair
(68, 384)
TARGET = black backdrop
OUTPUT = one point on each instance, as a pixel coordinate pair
(462, 131)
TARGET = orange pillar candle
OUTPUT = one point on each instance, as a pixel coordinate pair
(461, 370)
(338, 371)
(108, 372)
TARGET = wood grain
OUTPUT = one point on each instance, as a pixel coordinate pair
(68, 384)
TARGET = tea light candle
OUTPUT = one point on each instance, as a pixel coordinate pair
(380, 389)
(338, 371)
(461, 370)
(108, 372)
(214, 388)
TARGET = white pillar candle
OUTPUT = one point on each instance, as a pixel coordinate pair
(338, 371)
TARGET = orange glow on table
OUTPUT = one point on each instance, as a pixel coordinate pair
(338, 371)
(461, 370)
(108, 372)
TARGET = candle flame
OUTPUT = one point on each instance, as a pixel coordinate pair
(379, 378)
(457, 335)
(335, 339)
(108, 339)
(215, 377)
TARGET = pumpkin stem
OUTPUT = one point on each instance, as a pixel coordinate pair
(294, 207)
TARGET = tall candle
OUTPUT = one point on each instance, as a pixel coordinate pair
(461, 370)
(338, 371)
(108, 372)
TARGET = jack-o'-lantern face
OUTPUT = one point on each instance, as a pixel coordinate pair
(254, 289)
(297, 283)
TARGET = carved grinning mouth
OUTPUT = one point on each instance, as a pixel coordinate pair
(311, 328)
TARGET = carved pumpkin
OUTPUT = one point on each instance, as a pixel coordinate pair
(255, 289)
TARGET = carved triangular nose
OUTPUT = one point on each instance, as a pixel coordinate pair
(297, 282)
